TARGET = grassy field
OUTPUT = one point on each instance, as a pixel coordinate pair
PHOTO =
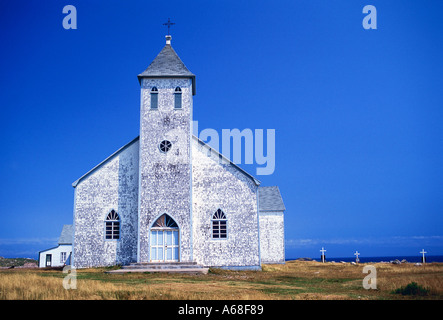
(300, 280)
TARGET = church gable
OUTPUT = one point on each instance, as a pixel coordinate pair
(112, 156)
(112, 185)
(220, 158)
(219, 186)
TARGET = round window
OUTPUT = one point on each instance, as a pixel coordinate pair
(165, 146)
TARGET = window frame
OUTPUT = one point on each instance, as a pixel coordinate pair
(165, 143)
(115, 225)
(178, 103)
(63, 256)
(154, 98)
(216, 223)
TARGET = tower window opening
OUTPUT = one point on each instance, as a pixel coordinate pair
(154, 98)
(178, 98)
(165, 146)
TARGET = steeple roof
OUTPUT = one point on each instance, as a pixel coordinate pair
(167, 64)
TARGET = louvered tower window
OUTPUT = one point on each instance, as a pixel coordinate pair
(112, 225)
(178, 98)
(219, 225)
(154, 98)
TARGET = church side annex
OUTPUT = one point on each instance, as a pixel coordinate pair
(164, 198)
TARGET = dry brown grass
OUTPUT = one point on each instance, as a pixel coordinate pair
(391, 277)
(293, 280)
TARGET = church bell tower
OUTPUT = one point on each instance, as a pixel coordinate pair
(165, 206)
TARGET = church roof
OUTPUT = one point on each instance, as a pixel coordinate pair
(75, 183)
(255, 180)
(167, 64)
(66, 235)
(269, 199)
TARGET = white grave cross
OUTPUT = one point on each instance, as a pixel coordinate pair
(356, 254)
(322, 254)
(423, 252)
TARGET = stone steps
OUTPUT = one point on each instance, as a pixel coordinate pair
(171, 267)
(161, 265)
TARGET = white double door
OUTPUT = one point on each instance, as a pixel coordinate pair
(164, 245)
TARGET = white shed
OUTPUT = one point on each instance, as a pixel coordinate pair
(60, 255)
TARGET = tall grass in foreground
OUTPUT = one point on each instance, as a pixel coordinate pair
(293, 280)
(32, 286)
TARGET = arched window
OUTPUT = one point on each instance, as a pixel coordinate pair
(164, 240)
(219, 225)
(178, 98)
(112, 225)
(154, 98)
(165, 221)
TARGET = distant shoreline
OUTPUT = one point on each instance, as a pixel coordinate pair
(8, 262)
(413, 259)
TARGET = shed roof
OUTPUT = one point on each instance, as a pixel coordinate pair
(66, 235)
(269, 199)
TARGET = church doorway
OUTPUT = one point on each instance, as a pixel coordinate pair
(164, 240)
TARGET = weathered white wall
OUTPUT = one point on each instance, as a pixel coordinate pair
(112, 186)
(223, 186)
(272, 237)
(165, 178)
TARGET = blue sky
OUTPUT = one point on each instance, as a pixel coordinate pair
(357, 113)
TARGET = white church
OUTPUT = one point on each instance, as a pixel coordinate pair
(167, 197)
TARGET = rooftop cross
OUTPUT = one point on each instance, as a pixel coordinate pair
(169, 24)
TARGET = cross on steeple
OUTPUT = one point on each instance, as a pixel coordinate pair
(169, 24)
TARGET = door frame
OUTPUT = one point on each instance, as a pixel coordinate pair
(165, 245)
(48, 255)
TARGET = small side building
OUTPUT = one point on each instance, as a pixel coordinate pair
(270, 212)
(61, 255)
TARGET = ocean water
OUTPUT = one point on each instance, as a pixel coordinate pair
(429, 259)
